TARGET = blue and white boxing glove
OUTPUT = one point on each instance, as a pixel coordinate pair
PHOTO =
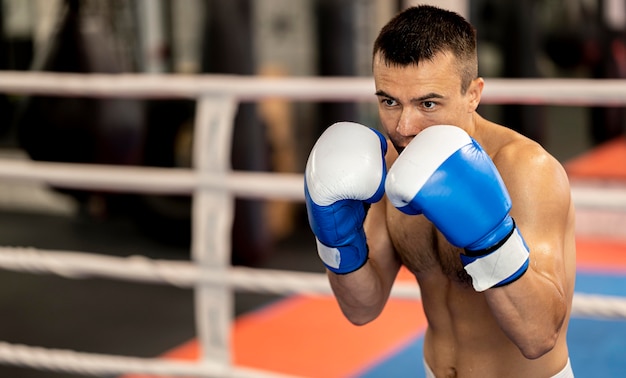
(445, 174)
(344, 173)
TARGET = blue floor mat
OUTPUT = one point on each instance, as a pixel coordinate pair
(597, 348)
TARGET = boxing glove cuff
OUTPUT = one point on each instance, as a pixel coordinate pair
(500, 266)
(344, 259)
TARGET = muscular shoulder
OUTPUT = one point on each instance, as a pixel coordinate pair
(524, 156)
(531, 173)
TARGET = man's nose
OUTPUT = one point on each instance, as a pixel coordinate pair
(408, 123)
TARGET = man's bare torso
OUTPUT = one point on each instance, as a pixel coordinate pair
(463, 337)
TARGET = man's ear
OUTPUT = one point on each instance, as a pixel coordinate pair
(474, 93)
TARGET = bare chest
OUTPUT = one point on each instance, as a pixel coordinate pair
(422, 248)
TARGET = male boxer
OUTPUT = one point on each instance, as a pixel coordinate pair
(481, 215)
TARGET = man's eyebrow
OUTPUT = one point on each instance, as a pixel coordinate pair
(425, 97)
(428, 97)
(380, 93)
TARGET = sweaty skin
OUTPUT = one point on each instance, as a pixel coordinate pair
(518, 330)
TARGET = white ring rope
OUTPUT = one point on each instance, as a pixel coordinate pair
(153, 179)
(217, 98)
(605, 92)
(270, 281)
(286, 186)
(182, 274)
(608, 198)
(105, 365)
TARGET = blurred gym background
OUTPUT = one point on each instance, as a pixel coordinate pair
(582, 38)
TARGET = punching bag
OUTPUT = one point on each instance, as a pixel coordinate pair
(80, 129)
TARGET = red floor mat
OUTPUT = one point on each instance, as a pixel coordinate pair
(606, 162)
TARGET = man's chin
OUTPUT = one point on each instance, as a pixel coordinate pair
(398, 149)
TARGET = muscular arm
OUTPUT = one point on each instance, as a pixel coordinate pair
(531, 310)
(363, 294)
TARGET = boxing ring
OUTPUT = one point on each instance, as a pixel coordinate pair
(214, 186)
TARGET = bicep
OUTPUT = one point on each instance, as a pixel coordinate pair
(362, 294)
(542, 211)
(541, 200)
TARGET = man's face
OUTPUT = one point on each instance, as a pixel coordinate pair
(414, 97)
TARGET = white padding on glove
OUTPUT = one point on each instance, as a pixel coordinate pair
(438, 143)
(490, 270)
(346, 159)
(329, 255)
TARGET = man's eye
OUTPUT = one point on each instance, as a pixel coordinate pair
(389, 102)
(429, 104)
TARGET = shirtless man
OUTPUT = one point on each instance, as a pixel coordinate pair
(481, 215)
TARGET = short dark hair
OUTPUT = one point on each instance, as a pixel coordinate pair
(421, 32)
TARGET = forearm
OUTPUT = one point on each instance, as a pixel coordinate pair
(530, 311)
(361, 294)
